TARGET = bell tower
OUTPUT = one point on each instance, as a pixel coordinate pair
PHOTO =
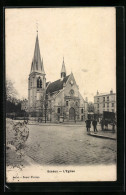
(63, 70)
(36, 82)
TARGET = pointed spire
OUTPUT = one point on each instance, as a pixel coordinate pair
(42, 66)
(63, 70)
(41, 63)
(37, 65)
(37, 27)
(32, 66)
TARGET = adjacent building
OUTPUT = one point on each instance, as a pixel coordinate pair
(105, 102)
(56, 101)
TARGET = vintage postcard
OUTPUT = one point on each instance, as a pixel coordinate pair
(61, 118)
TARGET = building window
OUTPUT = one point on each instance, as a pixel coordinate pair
(66, 103)
(107, 104)
(39, 83)
(112, 104)
(103, 105)
(31, 84)
(98, 99)
(71, 92)
(107, 98)
(108, 110)
(82, 111)
(58, 110)
(76, 103)
(112, 110)
(98, 105)
(103, 99)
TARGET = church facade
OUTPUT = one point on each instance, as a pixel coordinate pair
(53, 101)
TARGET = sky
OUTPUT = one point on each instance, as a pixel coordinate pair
(85, 37)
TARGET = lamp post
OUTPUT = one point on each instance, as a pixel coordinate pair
(45, 106)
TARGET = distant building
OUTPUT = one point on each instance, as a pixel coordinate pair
(90, 107)
(24, 105)
(56, 101)
(105, 102)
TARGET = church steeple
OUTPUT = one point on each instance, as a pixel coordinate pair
(63, 70)
(37, 63)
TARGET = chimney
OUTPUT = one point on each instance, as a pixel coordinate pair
(111, 92)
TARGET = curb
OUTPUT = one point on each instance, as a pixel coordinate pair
(63, 125)
(101, 136)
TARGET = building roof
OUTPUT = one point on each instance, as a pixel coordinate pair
(104, 94)
(56, 85)
(37, 63)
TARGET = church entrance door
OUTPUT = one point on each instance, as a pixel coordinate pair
(72, 114)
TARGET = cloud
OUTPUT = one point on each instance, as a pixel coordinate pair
(84, 70)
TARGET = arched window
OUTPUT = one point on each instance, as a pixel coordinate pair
(58, 110)
(39, 83)
(82, 111)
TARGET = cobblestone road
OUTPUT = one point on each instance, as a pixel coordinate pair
(68, 145)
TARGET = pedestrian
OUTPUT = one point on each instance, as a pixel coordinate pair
(94, 123)
(102, 124)
(113, 126)
(106, 124)
(88, 125)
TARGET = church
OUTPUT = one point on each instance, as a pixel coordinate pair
(57, 101)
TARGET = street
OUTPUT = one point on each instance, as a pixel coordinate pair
(68, 145)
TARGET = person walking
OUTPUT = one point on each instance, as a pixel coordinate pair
(106, 124)
(113, 125)
(94, 123)
(88, 125)
(102, 124)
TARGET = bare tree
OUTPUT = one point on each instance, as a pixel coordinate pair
(11, 92)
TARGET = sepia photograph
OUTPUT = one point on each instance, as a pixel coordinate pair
(61, 116)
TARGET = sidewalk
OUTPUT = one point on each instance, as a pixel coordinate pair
(102, 136)
(80, 124)
(106, 134)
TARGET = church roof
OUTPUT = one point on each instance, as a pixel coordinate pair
(56, 85)
(37, 63)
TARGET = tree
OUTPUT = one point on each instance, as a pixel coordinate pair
(13, 105)
(90, 107)
(11, 92)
